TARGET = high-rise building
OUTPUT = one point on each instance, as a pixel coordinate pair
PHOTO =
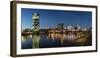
(35, 22)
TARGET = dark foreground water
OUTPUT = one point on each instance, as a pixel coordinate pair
(55, 40)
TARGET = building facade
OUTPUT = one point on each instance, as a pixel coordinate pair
(35, 23)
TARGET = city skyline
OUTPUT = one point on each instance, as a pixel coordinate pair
(51, 18)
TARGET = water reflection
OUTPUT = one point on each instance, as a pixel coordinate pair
(62, 37)
(35, 40)
(56, 40)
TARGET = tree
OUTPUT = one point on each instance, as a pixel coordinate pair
(27, 30)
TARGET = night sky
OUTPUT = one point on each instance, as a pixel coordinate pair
(49, 18)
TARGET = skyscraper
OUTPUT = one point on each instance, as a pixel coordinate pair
(35, 22)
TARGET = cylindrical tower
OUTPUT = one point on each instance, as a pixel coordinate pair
(35, 23)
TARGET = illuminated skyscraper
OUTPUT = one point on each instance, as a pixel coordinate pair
(35, 23)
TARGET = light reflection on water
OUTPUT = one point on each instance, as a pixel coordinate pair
(53, 40)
